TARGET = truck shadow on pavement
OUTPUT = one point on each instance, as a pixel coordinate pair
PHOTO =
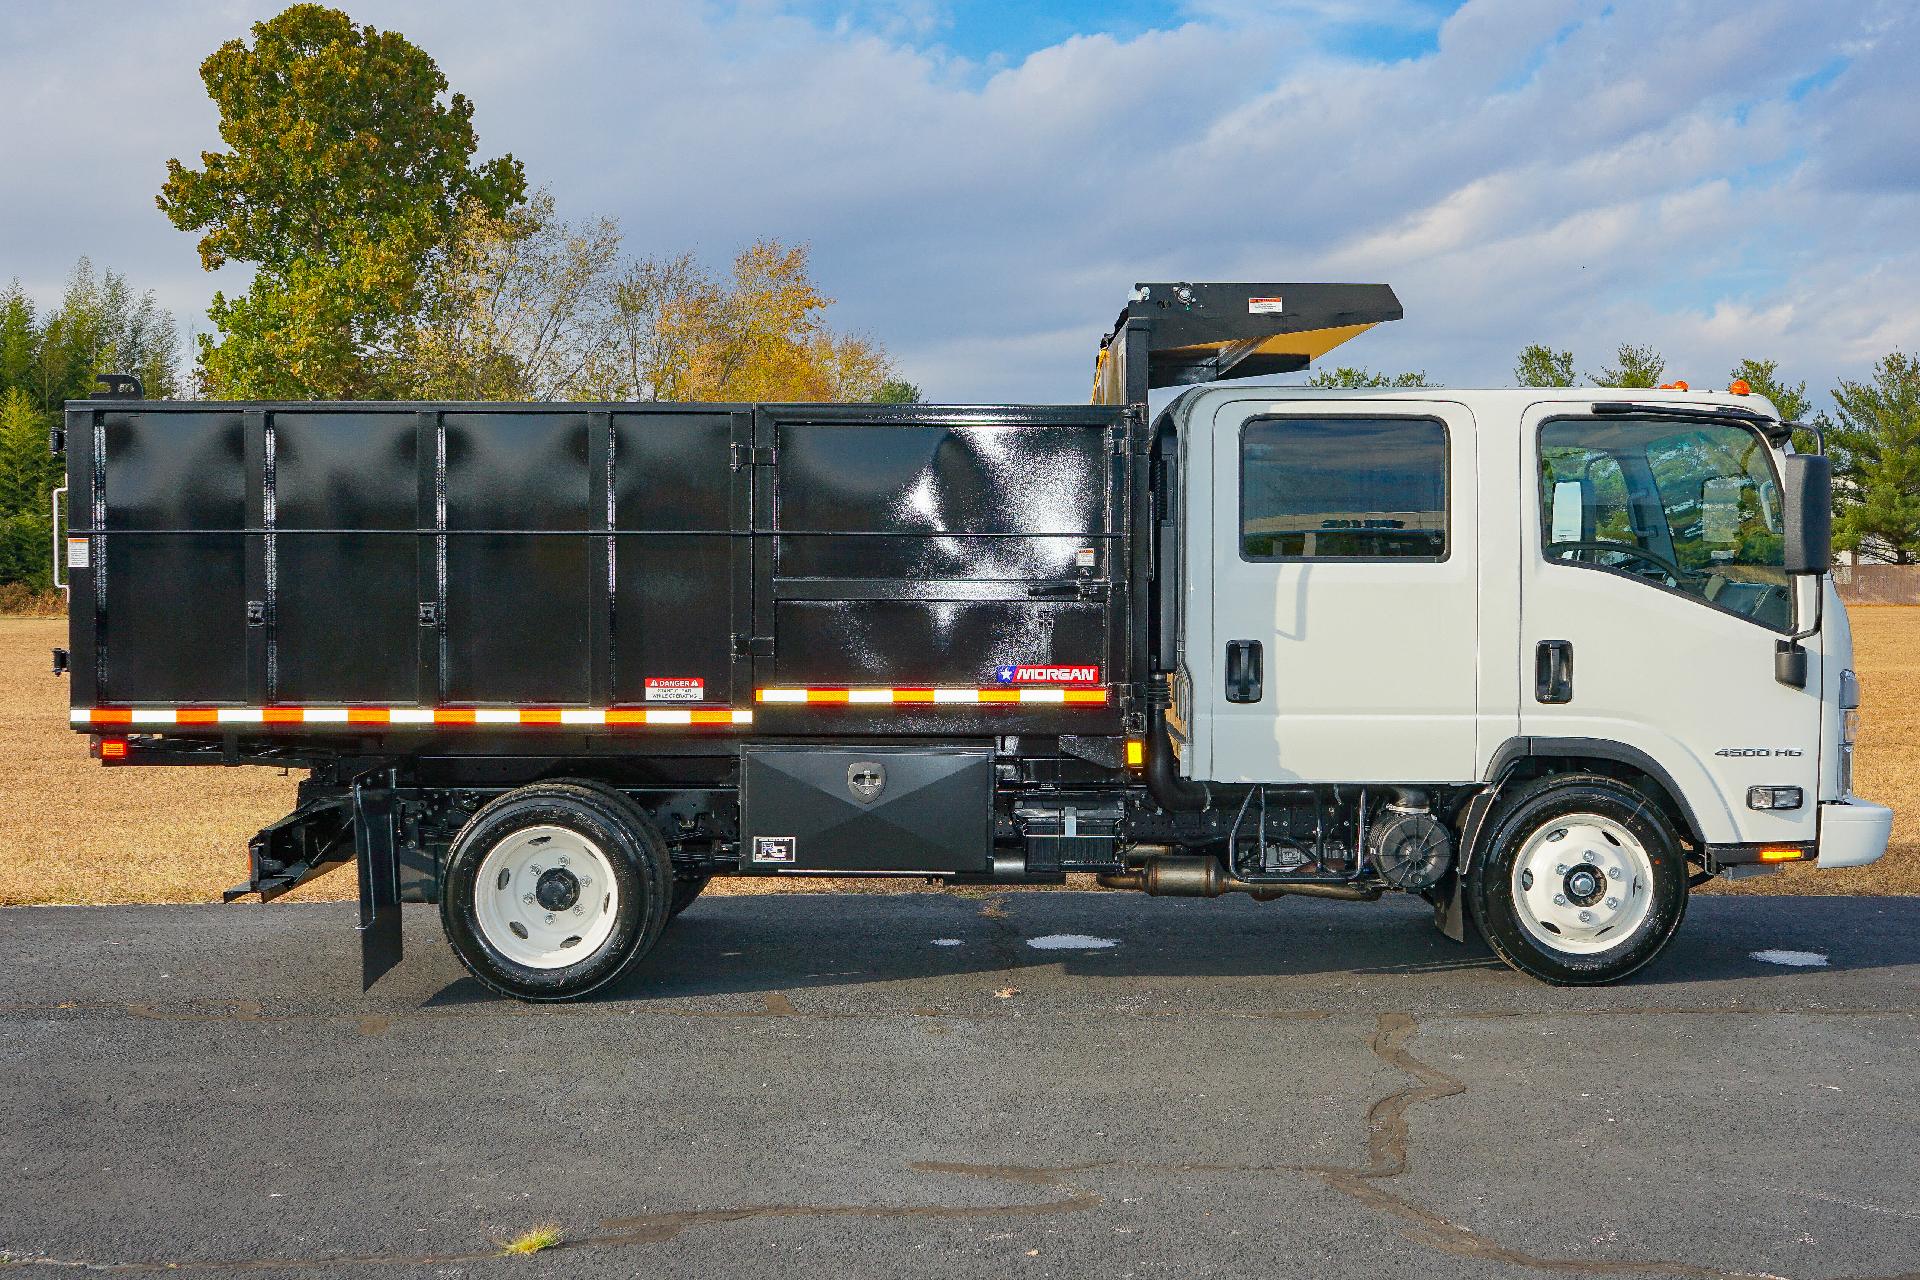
(734, 945)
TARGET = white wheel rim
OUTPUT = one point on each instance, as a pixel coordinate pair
(1582, 884)
(545, 897)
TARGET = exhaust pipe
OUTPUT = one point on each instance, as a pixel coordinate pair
(1169, 790)
(1200, 876)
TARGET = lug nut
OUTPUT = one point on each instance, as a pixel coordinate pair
(536, 868)
(1612, 903)
(549, 917)
(1559, 899)
(563, 859)
(1614, 872)
(527, 898)
(1586, 917)
(1560, 870)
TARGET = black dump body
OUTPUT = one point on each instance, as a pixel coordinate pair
(291, 581)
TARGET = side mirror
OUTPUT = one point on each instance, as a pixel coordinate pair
(1809, 540)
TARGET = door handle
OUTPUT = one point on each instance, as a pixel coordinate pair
(1553, 671)
(1243, 671)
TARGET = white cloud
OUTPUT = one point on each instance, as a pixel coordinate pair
(1553, 172)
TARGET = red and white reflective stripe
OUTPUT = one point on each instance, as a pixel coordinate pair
(970, 697)
(611, 717)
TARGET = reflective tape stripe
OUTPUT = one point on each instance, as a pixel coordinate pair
(489, 716)
(970, 697)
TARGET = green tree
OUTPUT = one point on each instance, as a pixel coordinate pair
(897, 391)
(1763, 379)
(1632, 367)
(1541, 366)
(27, 479)
(100, 325)
(1876, 455)
(1348, 378)
(348, 165)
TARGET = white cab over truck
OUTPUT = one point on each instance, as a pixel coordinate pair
(1608, 609)
(1545, 658)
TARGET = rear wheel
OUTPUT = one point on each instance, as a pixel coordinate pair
(1583, 881)
(554, 890)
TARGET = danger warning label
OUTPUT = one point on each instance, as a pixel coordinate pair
(676, 689)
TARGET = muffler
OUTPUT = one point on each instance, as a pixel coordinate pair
(1199, 876)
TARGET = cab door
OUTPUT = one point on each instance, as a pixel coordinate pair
(1344, 592)
(1652, 601)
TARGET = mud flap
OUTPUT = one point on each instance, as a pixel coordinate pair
(1449, 897)
(373, 843)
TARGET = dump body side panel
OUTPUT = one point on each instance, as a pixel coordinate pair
(402, 572)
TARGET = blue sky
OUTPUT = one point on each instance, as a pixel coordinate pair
(982, 182)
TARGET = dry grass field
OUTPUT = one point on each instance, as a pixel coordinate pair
(71, 831)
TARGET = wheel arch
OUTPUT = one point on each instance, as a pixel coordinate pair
(1524, 758)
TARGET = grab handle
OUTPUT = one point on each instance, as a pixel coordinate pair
(58, 558)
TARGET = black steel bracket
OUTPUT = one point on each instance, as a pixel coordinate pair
(314, 838)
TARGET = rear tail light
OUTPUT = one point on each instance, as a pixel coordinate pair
(113, 748)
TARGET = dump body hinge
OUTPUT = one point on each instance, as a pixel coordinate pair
(745, 455)
(119, 386)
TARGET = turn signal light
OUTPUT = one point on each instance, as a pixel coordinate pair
(113, 748)
(1739, 387)
(1781, 855)
(1136, 753)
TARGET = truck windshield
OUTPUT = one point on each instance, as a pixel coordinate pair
(1695, 510)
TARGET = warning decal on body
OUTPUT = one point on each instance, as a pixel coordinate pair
(77, 553)
(1265, 306)
(676, 689)
(1023, 674)
(775, 848)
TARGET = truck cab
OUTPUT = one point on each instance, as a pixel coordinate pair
(1440, 591)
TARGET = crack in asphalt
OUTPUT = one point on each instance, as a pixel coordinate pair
(1388, 1156)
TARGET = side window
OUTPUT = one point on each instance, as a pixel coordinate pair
(1695, 511)
(1343, 489)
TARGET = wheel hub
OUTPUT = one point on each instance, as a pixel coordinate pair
(1584, 885)
(545, 897)
(557, 889)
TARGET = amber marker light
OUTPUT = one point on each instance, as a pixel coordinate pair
(1739, 387)
(1780, 855)
(1136, 753)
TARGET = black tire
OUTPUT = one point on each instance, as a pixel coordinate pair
(685, 890)
(1534, 810)
(616, 828)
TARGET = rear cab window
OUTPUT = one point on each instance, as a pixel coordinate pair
(1343, 488)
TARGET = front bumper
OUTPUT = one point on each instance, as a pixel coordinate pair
(1853, 833)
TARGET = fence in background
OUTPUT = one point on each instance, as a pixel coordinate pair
(1878, 583)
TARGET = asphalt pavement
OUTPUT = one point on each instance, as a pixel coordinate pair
(1061, 1084)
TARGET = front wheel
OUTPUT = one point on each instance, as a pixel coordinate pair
(554, 889)
(1583, 881)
